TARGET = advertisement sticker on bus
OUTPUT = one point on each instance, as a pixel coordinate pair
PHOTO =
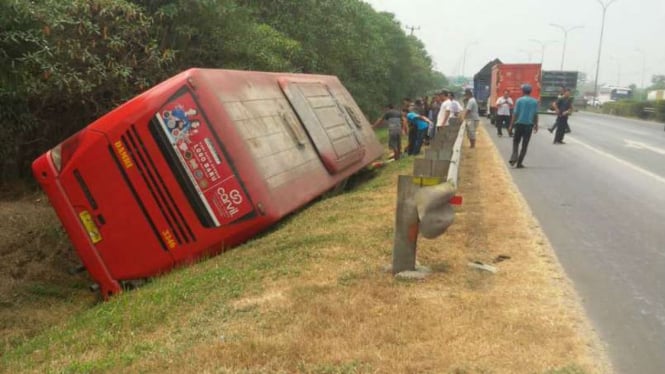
(192, 140)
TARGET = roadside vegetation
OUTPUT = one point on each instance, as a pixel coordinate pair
(313, 295)
(68, 62)
(639, 106)
(649, 110)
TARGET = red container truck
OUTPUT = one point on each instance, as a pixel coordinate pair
(511, 77)
(198, 164)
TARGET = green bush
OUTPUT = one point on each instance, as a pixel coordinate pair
(636, 109)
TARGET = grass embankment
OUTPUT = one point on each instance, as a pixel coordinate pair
(312, 296)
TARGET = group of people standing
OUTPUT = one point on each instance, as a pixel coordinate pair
(524, 120)
(422, 118)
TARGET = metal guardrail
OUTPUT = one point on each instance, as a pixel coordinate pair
(453, 169)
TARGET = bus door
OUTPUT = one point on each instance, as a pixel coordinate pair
(329, 126)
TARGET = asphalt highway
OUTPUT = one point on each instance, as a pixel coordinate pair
(600, 199)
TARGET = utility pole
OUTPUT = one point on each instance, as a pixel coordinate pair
(466, 49)
(412, 28)
(605, 5)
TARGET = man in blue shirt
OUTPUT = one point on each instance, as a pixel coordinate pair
(524, 121)
(421, 124)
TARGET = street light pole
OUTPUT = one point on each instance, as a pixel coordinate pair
(644, 58)
(542, 46)
(528, 53)
(565, 38)
(466, 48)
(605, 5)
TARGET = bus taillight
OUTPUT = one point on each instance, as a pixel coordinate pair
(62, 153)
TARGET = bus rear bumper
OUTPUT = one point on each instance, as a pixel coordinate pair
(45, 173)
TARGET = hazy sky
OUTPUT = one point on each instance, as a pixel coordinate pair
(503, 29)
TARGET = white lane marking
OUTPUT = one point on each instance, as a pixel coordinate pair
(619, 160)
(638, 145)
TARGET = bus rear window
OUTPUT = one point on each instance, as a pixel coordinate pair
(198, 161)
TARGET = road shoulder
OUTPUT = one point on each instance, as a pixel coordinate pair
(534, 270)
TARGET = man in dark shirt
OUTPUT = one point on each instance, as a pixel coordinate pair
(563, 107)
(393, 118)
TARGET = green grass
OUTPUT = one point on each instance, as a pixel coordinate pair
(115, 334)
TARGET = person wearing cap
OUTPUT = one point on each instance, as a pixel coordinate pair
(524, 121)
(471, 117)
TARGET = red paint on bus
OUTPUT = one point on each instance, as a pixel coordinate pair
(199, 164)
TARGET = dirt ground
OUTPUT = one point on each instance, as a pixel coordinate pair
(36, 288)
(339, 311)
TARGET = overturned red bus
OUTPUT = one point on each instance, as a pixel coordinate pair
(198, 164)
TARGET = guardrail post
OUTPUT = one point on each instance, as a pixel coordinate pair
(423, 167)
(407, 221)
(423, 202)
(406, 226)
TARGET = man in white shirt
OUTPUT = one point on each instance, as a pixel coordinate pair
(455, 107)
(450, 108)
(441, 119)
(503, 106)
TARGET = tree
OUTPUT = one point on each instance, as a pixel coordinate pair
(69, 62)
(367, 50)
(658, 82)
(217, 34)
(72, 61)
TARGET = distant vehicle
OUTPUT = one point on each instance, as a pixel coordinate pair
(511, 77)
(199, 163)
(612, 93)
(579, 102)
(551, 82)
(481, 86)
(592, 101)
(656, 95)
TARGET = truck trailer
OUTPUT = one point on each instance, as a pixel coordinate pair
(551, 82)
(510, 77)
(481, 86)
